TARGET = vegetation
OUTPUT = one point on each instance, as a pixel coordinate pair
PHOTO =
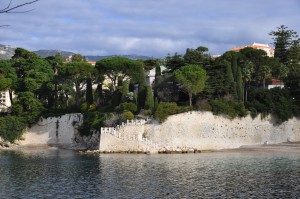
(115, 90)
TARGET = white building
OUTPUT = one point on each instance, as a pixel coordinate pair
(4, 101)
(265, 47)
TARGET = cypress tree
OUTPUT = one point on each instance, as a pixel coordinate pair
(230, 84)
(149, 102)
(239, 84)
(234, 67)
(125, 90)
(141, 96)
(89, 91)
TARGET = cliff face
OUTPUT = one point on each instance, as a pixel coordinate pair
(192, 130)
(201, 131)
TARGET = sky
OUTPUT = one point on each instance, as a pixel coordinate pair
(145, 27)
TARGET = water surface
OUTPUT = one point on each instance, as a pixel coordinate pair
(67, 174)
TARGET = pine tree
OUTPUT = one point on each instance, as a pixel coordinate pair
(283, 39)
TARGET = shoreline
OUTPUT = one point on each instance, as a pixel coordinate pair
(280, 147)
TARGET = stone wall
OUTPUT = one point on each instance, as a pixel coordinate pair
(60, 131)
(201, 131)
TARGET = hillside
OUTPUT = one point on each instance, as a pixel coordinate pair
(6, 51)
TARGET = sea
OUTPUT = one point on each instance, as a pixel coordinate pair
(55, 173)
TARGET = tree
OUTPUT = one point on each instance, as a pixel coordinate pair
(77, 72)
(193, 78)
(175, 62)
(264, 72)
(293, 64)
(116, 68)
(247, 71)
(56, 62)
(78, 58)
(149, 103)
(8, 77)
(197, 56)
(283, 39)
(239, 84)
(230, 83)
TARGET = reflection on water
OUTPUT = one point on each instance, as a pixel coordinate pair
(66, 174)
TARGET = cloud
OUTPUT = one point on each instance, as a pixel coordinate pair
(152, 27)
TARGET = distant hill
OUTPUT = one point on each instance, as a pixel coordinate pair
(133, 57)
(46, 53)
(6, 51)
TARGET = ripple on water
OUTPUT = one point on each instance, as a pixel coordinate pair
(65, 174)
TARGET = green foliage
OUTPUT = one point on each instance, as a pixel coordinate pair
(92, 121)
(239, 84)
(283, 38)
(12, 128)
(275, 101)
(228, 107)
(149, 103)
(119, 67)
(77, 73)
(230, 83)
(165, 109)
(78, 58)
(193, 78)
(89, 91)
(174, 62)
(126, 115)
(127, 106)
(28, 106)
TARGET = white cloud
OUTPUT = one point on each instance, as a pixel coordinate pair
(152, 27)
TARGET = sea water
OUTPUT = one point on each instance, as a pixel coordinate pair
(68, 174)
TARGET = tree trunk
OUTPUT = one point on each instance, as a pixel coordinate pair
(190, 97)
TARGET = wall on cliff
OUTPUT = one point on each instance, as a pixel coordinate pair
(59, 131)
(204, 131)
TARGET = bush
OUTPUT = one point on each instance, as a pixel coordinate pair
(126, 115)
(12, 128)
(275, 101)
(92, 121)
(203, 105)
(164, 109)
(228, 107)
(127, 106)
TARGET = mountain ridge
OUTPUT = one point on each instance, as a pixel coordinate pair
(7, 51)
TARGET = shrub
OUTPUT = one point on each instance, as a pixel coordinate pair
(164, 109)
(127, 106)
(275, 101)
(203, 105)
(228, 107)
(12, 128)
(126, 115)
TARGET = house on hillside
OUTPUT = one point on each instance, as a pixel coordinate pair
(265, 47)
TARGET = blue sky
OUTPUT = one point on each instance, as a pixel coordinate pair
(146, 27)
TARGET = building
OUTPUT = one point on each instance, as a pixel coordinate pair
(265, 47)
(5, 103)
